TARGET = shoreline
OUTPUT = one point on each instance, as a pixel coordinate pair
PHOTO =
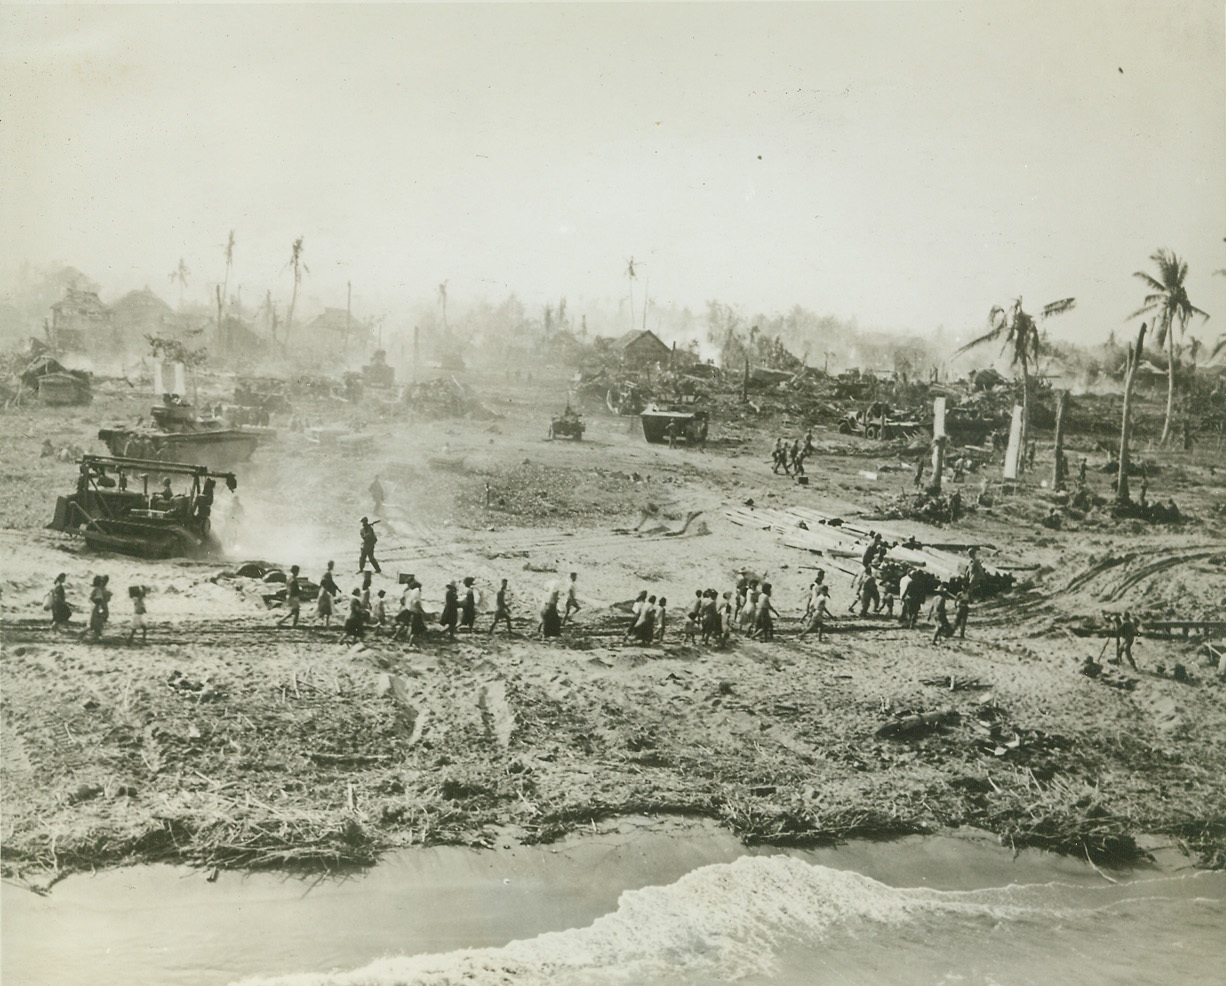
(493, 898)
(284, 770)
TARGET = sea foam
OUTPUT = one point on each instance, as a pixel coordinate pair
(723, 921)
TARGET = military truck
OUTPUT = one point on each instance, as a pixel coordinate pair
(675, 422)
(877, 421)
(114, 509)
(568, 424)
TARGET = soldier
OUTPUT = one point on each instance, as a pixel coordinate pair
(781, 457)
(234, 521)
(962, 610)
(369, 537)
(940, 616)
(376, 496)
(1125, 634)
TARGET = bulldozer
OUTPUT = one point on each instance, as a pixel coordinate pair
(109, 515)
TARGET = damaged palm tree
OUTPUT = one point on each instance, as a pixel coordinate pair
(1019, 334)
(223, 290)
(1122, 498)
(1168, 300)
(299, 268)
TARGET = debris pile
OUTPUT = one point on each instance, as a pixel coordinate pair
(930, 506)
(53, 383)
(1152, 513)
(444, 397)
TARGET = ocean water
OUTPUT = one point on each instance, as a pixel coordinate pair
(636, 905)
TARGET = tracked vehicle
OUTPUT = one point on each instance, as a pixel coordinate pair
(113, 508)
(178, 434)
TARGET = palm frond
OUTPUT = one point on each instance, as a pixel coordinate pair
(1152, 302)
(1149, 280)
(1058, 307)
(990, 336)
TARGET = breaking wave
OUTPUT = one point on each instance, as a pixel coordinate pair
(720, 922)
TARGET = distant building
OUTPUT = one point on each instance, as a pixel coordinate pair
(641, 348)
(80, 321)
(335, 325)
(141, 313)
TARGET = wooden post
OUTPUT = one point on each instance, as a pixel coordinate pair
(1013, 453)
(939, 440)
(1134, 361)
(938, 461)
(1058, 476)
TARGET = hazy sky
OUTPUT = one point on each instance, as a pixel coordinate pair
(908, 164)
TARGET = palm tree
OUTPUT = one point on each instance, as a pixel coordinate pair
(180, 274)
(442, 300)
(1018, 332)
(295, 261)
(1168, 300)
(630, 276)
(223, 294)
(268, 312)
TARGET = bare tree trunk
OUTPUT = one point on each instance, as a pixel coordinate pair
(220, 341)
(1021, 456)
(1058, 476)
(1170, 383)
(938, 462)
(745, 382)
(1134, 360)
(289, 316)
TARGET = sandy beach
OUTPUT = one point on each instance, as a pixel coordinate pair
(226, 741)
